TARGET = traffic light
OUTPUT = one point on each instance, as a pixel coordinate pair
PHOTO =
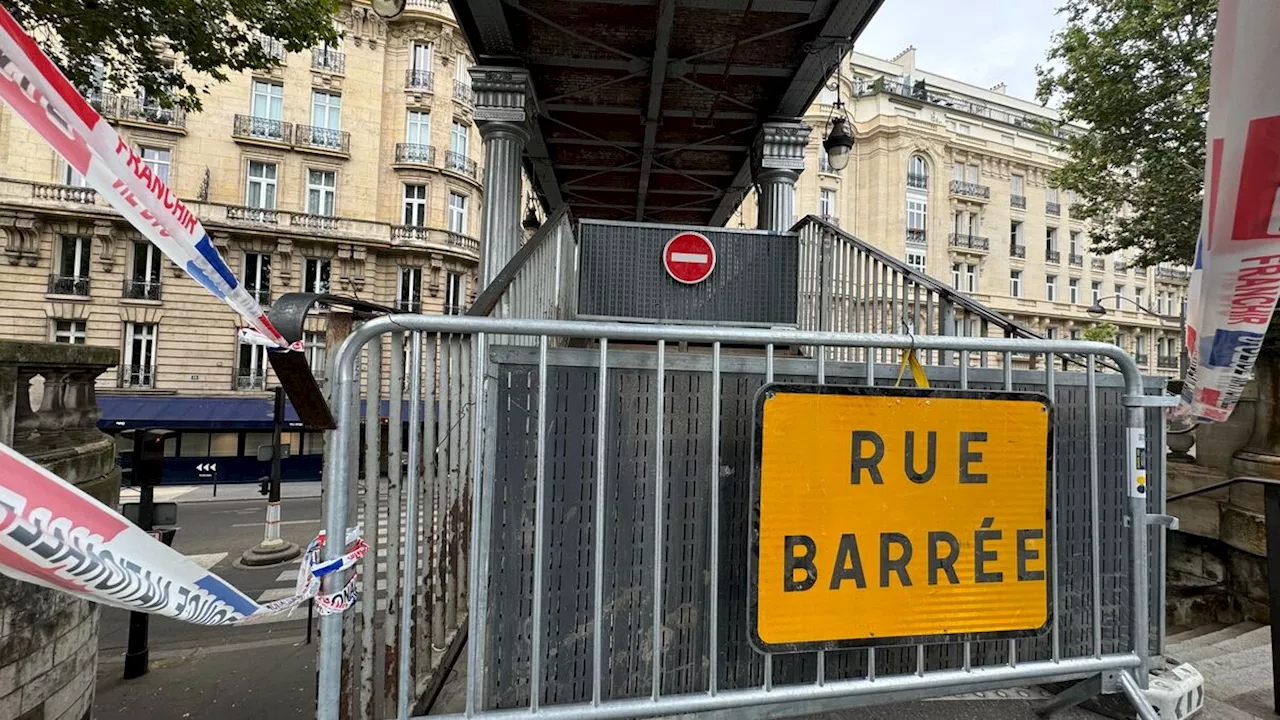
(148, 457)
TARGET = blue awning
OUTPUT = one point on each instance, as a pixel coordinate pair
(182, 412)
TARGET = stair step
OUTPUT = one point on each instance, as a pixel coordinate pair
(1212, 638)
(1219, 710)
(1252, 639)
(1185, 635)
(1236, 673)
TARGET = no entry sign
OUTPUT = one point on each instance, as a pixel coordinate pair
(689, 258)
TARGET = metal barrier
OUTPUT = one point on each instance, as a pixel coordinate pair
(563, 462)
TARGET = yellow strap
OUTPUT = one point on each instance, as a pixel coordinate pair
(909, 359)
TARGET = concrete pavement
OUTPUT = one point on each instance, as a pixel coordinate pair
(223, 492)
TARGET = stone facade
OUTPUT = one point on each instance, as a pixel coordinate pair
(354, 168)
(48, 639)
(932, 179)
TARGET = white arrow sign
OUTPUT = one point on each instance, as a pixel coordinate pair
(207, 467)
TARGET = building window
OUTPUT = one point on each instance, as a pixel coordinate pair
(260, 191)
(267, 101)
(916, 260)
(1051, 287)
(1051, 333)
(1015, 283)
(139, 355)
(459, 143)
(1073, 291)
(1051, 195)
(73, 267)
(315, 276)
(1051, 239)
(826, 203)
(71, 176)
(462, 78)
(918, 173)
(1017, 186)
(965, 173)
(955, 275)
(251, 367)
(1119, 295)
(157, 159)
(824, 160)
(917, 219)
(410, 290)
(418, 128)
(1075, 334)
(71, 332)
(1140, 344)
(257, 276)
(144, 281)
(1097, 292)
(313, 345)
(422, 57)
(1074, 239)
(971, 278)
(321, 192)
(453, 286)
(457, 213)
(1015, 239)
(415, 205)
(1160, 304)
(827, 95)
(326, 110)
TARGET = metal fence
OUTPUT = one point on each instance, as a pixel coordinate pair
(569, 461)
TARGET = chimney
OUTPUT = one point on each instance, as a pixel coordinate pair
(907, 59)
(999, 88)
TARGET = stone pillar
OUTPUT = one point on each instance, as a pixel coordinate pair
(780, 149)
(500, 97)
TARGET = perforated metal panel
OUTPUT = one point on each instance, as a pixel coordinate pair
(621, 276)
(629, 487)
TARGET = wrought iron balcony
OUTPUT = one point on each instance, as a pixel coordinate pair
(460, 163)
(1121, 266)
(918, 180)
(455, 309)
(1053, 256)
(968, 189)
(272, 47)
(409, 306)
(1075, 260)
(310, 136)
(916, 236)
(317, 222)
(1141, 358)
(1018, 251)
(260, 128)
(970, 242)
(427, 4)
(142, 288)
(136, 110)
(68, 285)
(64, 193)
(252, 214)
(421, 79)
(1053, 208)
(137, 376)
(261, 294)
(1168, 273)
(1098, 263)
(462, 92)
(328, 60)
(1018, 201)
(251, 379)
(1167, 362)
(413, 153)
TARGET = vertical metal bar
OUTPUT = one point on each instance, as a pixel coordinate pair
(964, 369)
(1055, 583)
(387, 655)
(453, 485)
(820, 675)
(1008, 370)
(440, 510)
(768, 378)
(1162, 533)
(539, 527)
(1271, 503)
(464, 459)
(1140, 596)
(405, 687)
(426, 622)
(597, 615)
(659, 518)
(372, 486)
(713, 645)
(1094, 507)
(479, 605)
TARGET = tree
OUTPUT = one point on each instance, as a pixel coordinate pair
(1102, 332)
(1136, 72)
(172, 50)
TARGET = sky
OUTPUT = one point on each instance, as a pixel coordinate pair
(982, 42)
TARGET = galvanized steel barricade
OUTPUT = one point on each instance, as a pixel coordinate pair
(568, 617)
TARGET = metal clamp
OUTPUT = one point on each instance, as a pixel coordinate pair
(1166, 521)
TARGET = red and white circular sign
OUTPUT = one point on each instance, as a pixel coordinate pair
(689, 258)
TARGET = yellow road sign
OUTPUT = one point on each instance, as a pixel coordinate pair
(899, 516)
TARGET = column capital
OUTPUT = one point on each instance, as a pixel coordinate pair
(501, 93)
(781, 145)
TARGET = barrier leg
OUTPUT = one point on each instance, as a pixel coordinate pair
(1086, 689)
(1131, 691)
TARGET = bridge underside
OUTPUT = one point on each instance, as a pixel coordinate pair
(648, 109)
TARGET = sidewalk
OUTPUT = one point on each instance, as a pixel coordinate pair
(225, 492)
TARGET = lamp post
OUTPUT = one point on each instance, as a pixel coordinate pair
(1098, 311)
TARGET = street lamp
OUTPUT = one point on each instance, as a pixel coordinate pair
(838, 144)
(1098, 311)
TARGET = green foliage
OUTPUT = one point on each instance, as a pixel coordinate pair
(1102, 332)
(1137, 73)
(171, 49)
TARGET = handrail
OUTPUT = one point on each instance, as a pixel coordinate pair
(489, 297)
(1225, 483)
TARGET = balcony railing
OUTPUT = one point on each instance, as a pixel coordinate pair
(251, 379)
(968, 189)
(1075, 260)
(1167, 273)
(1098, 263)
(462, 92)
(415, 153)
(259, 128)
(64, 193)
(322, 138)
(460, 163)
(131, 109)
(142, 289)
(252, 214)
(317, 222)
(918, 180)
(262, 295)
(1121, 266)
(921, 92)
(420, 79)
(1018, 201)
(409, 306)
(419, 234)
(68, 285)
(1167, 362)
(455, 309)
(462, 241)
(1053, 208)
(1018, 251)
(428, 4)
(1053, 256)
(137, 376)
(971, 242)
(272, 47)
(916, 236)
(328, 60)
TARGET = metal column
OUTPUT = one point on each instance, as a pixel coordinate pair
(500, 95)
(781, 148)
